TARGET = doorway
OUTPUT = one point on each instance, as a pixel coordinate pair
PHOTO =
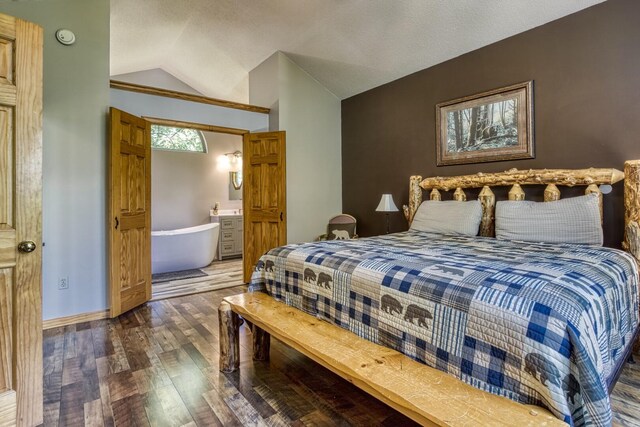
(197, 221)
(262, 222)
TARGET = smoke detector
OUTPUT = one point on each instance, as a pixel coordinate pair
(66, 37)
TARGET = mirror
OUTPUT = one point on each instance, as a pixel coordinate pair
(236, 179)
(235, 185)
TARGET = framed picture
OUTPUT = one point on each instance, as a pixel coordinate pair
(486, 127)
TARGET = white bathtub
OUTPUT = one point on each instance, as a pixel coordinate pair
(184, 249)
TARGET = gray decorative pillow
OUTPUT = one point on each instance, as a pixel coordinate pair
(448, 217)
(573, 220)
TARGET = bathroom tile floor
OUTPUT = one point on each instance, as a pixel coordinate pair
(220, 275)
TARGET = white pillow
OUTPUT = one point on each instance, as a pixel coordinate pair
(573, 220)
(448, 217)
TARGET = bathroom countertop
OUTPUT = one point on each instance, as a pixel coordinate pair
(228, 212)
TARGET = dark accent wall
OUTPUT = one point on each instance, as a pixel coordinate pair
(586, 73)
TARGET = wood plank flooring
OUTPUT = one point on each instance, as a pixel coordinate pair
(158, 366)
(220, 275)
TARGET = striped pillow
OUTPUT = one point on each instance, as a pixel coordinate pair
(448, 217)
(573, 220)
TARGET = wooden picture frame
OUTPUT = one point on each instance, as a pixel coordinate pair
(503, 119)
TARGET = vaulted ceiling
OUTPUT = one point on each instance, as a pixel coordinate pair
(347, 45)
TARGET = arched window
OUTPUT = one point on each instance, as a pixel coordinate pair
(177, 139)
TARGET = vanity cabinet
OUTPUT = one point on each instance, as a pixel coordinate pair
(230, 240)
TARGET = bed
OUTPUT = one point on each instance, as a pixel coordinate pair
(547, 324)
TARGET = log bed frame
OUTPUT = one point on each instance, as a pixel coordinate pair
(424, 394)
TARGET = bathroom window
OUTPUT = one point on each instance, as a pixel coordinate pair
(177, 139)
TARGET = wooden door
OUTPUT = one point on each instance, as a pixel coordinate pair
(264, 196)
(20, 222)
(129, 212)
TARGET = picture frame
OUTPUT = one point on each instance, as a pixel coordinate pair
(503, 123)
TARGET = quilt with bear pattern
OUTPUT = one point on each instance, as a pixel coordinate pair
(540, 324)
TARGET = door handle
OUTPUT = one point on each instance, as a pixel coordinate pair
(27, 246)
(281, 213)
(117, 223)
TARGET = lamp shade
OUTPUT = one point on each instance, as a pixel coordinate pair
(386, 204)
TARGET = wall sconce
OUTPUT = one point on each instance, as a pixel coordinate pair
(235, 161)
(229, 162)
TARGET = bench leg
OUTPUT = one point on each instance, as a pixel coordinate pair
(261, 344)
(249, 324)
(229, 323)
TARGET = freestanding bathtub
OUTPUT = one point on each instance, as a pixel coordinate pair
(184, 248)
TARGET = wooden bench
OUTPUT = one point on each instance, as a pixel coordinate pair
(424, 394)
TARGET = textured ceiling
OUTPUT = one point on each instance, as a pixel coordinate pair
(348, 45)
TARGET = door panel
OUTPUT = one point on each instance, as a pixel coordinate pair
(264, 196)
(130, 213)
(6, 61)
(20, 220)
(6, 164)
(6, 285)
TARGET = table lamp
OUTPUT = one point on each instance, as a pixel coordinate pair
(386, 205)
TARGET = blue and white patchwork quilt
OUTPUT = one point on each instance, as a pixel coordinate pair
(540, 324)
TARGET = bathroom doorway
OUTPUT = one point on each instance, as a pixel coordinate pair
(196, 201)
(130, 227)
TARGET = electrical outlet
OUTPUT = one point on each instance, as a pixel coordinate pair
(63, 283)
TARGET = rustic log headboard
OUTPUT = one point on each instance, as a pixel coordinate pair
(590, 178)
(631, 242)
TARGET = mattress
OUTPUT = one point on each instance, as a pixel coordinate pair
(541, 324)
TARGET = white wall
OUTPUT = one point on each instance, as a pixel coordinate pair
(264, 88)
(156, 77)
(141, 104)
(76, 99)
(311, 116)
(185, 186)
(169, 108)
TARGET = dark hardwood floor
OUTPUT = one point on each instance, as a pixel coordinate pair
(158, 366)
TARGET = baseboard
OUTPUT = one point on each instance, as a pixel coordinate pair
(76, 318)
